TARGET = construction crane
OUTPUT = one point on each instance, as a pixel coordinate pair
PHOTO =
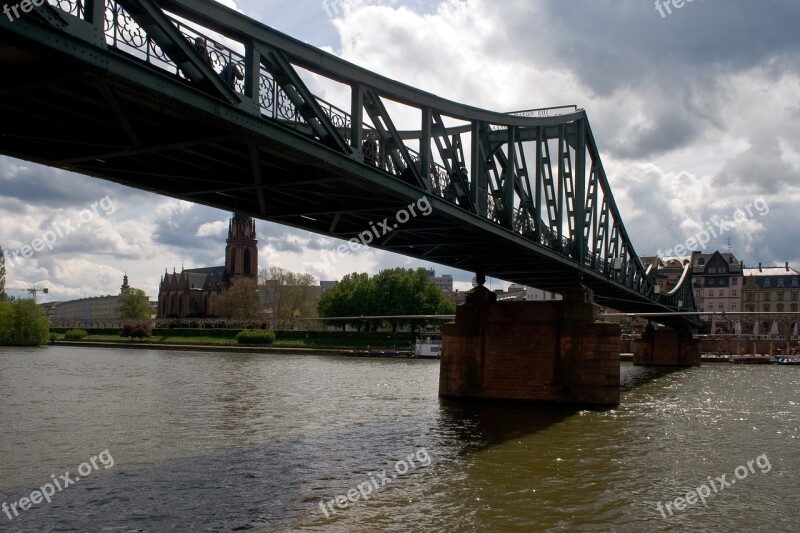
(33, 291)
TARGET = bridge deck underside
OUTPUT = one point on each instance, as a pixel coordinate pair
(65, 113)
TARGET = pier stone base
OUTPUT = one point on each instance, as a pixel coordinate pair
(547, 351)
(666, 347)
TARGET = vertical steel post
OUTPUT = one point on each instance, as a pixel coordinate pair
(580, 190)
(356, 117)
(538, 183)
(476, 162)
(511, 167)
(94, 12)
(561, 202)
(252, 73)
(425, 158)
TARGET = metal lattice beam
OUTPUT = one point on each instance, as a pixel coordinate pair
(153, 113)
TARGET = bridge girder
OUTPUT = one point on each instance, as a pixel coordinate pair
(133, 102)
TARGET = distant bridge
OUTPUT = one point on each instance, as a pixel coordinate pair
(192, 100)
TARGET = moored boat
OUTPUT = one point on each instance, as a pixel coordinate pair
(751, 359)
(428, 348)
(374, 353)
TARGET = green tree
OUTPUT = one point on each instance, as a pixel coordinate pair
(350, 297)
(134, 305)
(6, 323)
(402, 291)
(23, 323)
(395, 291)
(289, 295)
(2, 275)
(239, 301)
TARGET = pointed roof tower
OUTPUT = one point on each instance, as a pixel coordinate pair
(241, 252)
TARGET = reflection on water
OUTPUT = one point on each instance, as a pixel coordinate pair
(223, 442)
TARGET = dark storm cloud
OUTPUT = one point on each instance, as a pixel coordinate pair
(47, 187)
(284, 245)
(674, 62)
(760, 169)
(610, 43)
(780, 242)
(667, 131)
(178, 227)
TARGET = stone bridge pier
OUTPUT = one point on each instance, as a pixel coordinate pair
(553, 351)
(666, 347)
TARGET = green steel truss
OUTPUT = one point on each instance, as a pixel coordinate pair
(119, 90)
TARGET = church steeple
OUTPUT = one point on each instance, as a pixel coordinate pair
(125, 285)
(241, 252)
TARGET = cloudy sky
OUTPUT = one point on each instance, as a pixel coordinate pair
(695, 109)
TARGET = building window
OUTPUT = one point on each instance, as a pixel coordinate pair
(710, 281)
(751, 297)
(794, 308)
(733, 306)
(794, 296)
(735, 281)
(721, 307)
(767, 284)
(780, 283)
(794, 282)
(780, 308)
(766, 308)
(733, 293)
(721, 294)
(697, 295)
(767, 296)
(710, 294)
(780, 296)
(712, 270)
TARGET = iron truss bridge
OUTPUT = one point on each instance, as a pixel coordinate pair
(193, 100)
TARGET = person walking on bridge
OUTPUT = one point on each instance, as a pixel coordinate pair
(201, 46)
(230, 73)
(457, 191)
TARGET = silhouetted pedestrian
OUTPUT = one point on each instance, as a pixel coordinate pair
(230, 73)
(201, 46)
(369, 149)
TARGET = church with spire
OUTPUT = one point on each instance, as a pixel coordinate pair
(190, 293)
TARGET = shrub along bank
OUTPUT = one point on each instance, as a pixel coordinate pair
(401, 340)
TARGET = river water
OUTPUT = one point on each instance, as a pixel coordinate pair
(195, 441)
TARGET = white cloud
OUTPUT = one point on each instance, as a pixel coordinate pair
(217, 228)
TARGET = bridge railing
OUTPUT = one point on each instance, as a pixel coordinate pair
(537, 176)
(123, 33)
